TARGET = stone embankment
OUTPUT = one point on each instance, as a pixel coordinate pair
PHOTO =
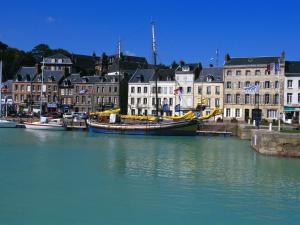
(276, 143)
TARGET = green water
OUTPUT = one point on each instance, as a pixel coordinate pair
(70, 178)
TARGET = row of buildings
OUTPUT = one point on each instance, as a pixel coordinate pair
(129, 82)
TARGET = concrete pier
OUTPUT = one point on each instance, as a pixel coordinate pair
(276, 143)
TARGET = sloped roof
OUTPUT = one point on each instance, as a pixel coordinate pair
(214, 73)
(292, 68)
(187, 68)
(251, 61)
(71, 79)
(142, 76)
(54, 75)
(25, 74)
(165, 75)
(65, 59)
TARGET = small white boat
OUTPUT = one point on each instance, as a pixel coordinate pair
(4, 123)
(44, 124)
(7, 124)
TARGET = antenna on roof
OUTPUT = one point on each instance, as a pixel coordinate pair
(217, 58)
(119, 48)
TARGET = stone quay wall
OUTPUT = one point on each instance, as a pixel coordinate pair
(276, 143)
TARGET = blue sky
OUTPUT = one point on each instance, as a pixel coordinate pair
(188, 30)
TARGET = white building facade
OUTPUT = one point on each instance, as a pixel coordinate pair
(185, 77)
(292, 92)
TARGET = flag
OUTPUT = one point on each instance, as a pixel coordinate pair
(83, 91)
(177, 108)
(277, 66)
(251, 89)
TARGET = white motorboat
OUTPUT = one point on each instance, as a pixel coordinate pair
(4, 123)
(44, 124)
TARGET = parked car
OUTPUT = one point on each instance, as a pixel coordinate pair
(80, 115)
(68, 115)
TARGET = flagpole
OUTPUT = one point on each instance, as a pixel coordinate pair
(279, 86)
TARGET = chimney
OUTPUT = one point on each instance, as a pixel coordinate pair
(227, 57)
(38, 68)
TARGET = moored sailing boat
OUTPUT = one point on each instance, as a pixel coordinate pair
(111, 122)
(3, 122)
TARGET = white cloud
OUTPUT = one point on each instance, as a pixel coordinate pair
(127, 52)
(50, 19)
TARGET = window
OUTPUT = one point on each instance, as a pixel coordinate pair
(145, 89)
(39, 87)
(272, 114)
(132, 91)
(145, 101)
(248, 72)
(171, 101)
(289, 98)
(159, 90)
(229, 72)
(109, 89)
(267, 72)
(276, 99)
(267, 99)
(217, 102)
(290, 83)
(247, 83)
(139, 90)
(237, 98)
(132, 101)
(109, 99)
(228, 98)
(267, 84)
(77, 99)
(298, 98)
(228, 112)
(115, 89)
(165, 89)
(102, 89)
(132, 111)
(239, 84)
(189, 89)
(153, 101)
(146, 112)
(208, 90)
(257, 72)
(228, 84)
(83, 99)
(16, 87)
(238, 73)
(257, 83)
(256, 99)
(298, 83)
(115, 100)
(208, 102)
(217, 90)
(237, 113)
(200, 90)
(276, 84)
(138, 101)
(247, 98)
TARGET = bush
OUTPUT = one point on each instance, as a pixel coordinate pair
(234, 120)
(219, 120)
(264, 122)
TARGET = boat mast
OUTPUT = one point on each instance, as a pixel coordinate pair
(0, 88)
(154, 54)
(42, 87)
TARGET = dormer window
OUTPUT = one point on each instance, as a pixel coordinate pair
(185, 68)
(60, 60)
(28, 77)
(19, 77)
(53, 60)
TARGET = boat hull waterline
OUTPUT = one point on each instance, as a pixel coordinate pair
(180, 128)
(44, 126)
(7, 124)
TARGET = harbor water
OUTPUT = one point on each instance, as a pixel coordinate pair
(70, 178)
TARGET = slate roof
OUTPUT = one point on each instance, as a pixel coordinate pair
(187, 68)
(292, 68)
(8, 84)
(49, 75)
(25, 74)
(214, 73)
(251, 61)
(71, 79)
(146, 75)
(65, 59)
(142, 76)
(84, 61)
